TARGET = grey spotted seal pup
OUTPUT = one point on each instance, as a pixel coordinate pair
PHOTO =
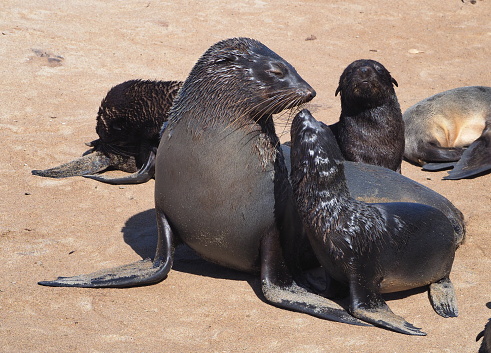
(128, 124)
(370, 128)
(451, 129)
(372, 248)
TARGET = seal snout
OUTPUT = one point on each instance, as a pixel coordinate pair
(306, 91)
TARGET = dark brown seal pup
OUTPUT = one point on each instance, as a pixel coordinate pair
(441, 127)
(373, 248)
(221, 181)
(370, 128)
(128, 124)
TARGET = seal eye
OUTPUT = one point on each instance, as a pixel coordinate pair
(378, 68)
(277, 70)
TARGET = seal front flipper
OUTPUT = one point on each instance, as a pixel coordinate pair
(90, 163)
(442, 297)
(146, 173)
(280, 290)
(135, 274)
(369, 306)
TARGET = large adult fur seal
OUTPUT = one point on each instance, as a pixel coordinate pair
(221, 182)
(450, 127)
(128, 124)
(370, 128)
(373, 248)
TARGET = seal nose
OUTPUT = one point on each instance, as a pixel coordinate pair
(308, 92)
(365, 71)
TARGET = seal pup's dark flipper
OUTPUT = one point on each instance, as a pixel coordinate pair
(369, 306)
(476, 159)
(146, 172)
(434, 167)
(280, 290)
(135, 274)
(87, 164)
(442, 297)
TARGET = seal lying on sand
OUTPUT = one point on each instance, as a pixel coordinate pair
(370, 128)
(128, 124)
(441, 127)
(373, 248)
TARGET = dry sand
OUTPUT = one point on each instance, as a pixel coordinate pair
(57, 61)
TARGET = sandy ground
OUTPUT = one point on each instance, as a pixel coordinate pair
(57, 61)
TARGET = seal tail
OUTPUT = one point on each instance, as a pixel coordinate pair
(139, 273)
(146, 173)
(88, 164)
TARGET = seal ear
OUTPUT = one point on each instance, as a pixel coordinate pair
(338, 90)
(225, 58)
(393, 80)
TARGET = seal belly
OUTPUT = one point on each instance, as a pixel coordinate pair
(217, 197)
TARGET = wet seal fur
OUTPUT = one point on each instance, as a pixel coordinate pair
(373, 248)
(370, 128)
(451, 129)
(221, 184)
(128, 124)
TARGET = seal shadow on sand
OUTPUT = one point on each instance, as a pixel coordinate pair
(140, 233)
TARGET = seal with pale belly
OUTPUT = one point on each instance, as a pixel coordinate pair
(451, 129)
(222, 182)
(373, 248)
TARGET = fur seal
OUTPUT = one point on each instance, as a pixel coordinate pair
(373, 248)
(221, 184)
(451, 129)
(370, 128)
(128, 124)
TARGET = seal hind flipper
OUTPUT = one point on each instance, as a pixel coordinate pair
(280, 289)
(135, 274)
(442, 297)
(146, 172)
(368, 305)
(87, 164)
(433, 152)
(434, 167)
